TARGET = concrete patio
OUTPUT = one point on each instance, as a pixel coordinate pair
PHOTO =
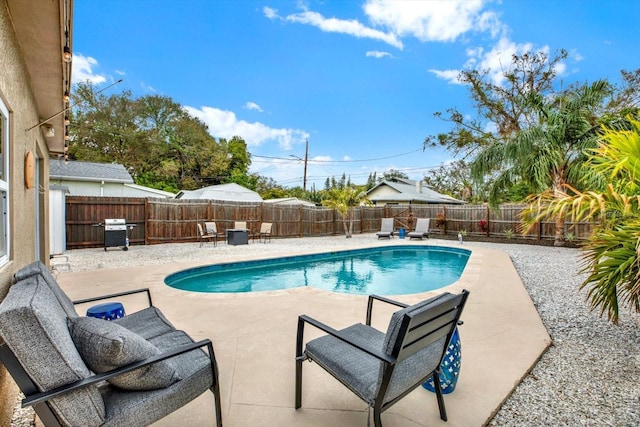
(254, 337)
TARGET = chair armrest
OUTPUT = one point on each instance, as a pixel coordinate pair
(119, 294)
(96, 378)
(383, 299)
(339, 335)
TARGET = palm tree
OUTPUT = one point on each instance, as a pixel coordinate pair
(343, 200)
(547, 155)
(612, 254)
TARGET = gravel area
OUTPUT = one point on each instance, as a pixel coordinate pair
(588, 377)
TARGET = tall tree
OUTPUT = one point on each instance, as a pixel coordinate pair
(549, 154)
(498, 101)
(393, 173)
(159, 143)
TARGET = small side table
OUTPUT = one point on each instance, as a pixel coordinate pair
(449, 368)
(106, 311)
(237, 236)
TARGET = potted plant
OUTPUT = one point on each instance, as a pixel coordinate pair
(441, 221)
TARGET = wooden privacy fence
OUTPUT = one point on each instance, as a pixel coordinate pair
(174, 221)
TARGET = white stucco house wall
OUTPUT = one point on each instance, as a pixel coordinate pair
(99, 179)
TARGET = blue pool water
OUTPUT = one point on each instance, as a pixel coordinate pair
(391, 270)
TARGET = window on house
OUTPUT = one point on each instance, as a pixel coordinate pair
(4, 184)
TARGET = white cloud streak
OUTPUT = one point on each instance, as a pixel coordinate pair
(378, 54)
(441, 21)
(253, 106)
(225, 124)
(334, 25)
(83, 70)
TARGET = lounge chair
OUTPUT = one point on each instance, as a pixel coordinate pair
(83, 371)
(422, 229)
(382, 368)
(386, 228)
(203, 235)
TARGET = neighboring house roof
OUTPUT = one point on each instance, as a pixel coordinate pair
(151, 191)
(228, 192)
(87, 171)
(289, 201)
(408, 191)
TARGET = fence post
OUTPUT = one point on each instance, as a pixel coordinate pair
(146, 221)
(539, 230)
(488, 222)
(301, 234)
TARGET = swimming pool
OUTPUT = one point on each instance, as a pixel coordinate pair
(389, 270)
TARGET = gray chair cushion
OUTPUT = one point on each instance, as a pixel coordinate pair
(148, 323)
(141, 408)
(356, 369)
(34, 326)
(105, 346)
(38, 268)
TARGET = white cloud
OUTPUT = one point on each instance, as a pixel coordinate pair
(442, 21)
(378, 54)
(321, 159)
(270, 13)
(225, 124)
(334, 25)
(83, 70)
(498, 59)
(449, 75)
(575, 55)
(253, 106)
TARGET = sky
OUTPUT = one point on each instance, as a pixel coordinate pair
(359, 81)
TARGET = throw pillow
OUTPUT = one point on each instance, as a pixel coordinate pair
(104, 346)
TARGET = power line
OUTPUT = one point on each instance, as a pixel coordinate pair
(339, 161)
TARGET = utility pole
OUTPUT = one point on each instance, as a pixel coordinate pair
(306, 158)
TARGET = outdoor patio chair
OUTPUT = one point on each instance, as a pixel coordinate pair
(203, 235)
(265, 232)
(84, 371)
(422, 229)
(386, 228)
(240, 225)
(211, 229)
(382, 368)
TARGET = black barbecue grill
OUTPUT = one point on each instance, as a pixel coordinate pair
(115, 233)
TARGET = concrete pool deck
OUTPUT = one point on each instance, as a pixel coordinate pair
(254, 334)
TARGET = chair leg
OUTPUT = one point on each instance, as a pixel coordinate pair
(377, 421)
(298, 383)
(436, 383)
(216, 396)
(299, 359)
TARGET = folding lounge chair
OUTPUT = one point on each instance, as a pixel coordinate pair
(386, 228)
(422, 229)
(383, 368)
